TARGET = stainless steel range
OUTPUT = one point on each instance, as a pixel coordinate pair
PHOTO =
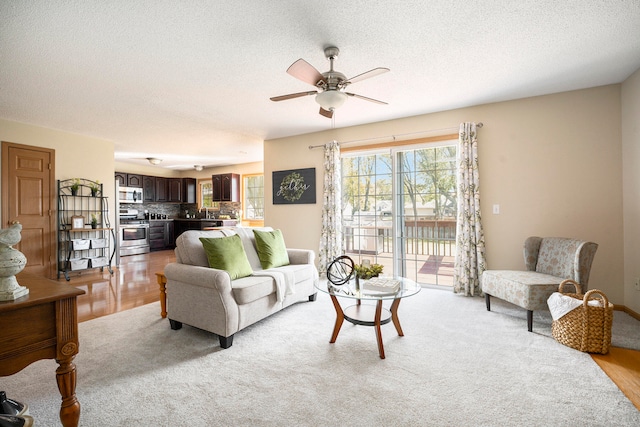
(133, 233)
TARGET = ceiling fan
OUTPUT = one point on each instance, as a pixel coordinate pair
(331, 85)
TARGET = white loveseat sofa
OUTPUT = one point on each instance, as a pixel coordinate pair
(208, 299)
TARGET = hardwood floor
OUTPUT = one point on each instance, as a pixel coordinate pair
(623, 367)
(134, 284)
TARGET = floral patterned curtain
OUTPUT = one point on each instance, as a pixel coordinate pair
(331, 236)
(470, 252)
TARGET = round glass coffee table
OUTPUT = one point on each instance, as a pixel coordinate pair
(368, 314)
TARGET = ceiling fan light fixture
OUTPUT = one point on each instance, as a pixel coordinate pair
(198, 167)
(154, 161)
(331, 99)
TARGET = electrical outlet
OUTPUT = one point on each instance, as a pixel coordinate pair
(496, 209)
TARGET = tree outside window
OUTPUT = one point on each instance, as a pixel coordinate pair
(206, 194)
(253, 201)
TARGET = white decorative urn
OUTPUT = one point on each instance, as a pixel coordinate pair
(12, 262)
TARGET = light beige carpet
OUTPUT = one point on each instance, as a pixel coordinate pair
(457, 365)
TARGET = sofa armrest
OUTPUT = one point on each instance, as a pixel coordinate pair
(301, 256)
(199, 276)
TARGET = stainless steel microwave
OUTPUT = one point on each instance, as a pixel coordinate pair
(129, 195)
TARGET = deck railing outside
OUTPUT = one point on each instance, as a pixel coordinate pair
(429, 247)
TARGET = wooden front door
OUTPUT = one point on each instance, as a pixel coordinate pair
(28, 190)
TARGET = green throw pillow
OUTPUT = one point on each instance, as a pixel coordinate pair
(271, 248)
(227, 253)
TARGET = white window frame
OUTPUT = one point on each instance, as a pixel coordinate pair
(252, 214)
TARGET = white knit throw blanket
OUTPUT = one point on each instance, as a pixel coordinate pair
(284, 280)
(560, 304)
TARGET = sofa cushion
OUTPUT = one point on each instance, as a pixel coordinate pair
(249, 243)
(557, 256)
(252, 288)
(527, 289)
(227, 253)
(271, 248)
(189, 248)
(301, 272)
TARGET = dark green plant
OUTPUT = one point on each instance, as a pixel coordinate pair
(75, 184)
(95, 187)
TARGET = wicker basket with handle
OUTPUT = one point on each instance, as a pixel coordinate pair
(586, 328)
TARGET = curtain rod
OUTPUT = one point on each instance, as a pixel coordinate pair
(311, 147)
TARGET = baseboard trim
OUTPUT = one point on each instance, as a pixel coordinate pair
(627, 310)
(632, 313)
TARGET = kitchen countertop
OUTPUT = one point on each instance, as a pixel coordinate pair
(201, 219)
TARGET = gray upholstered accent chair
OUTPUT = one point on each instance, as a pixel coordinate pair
(549, 261)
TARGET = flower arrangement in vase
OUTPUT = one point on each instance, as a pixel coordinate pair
(366, 271)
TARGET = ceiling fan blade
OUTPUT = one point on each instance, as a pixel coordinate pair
(326, 113)
(293, 95)
(306, 72)
(366, 75)
(367, 99)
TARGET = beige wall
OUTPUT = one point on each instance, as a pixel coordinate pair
(80, 156)
(553, 163)
(631, 188)
(76, 156)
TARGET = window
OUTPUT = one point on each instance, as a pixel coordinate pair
(206, 194)
(399, 209)
(367, 201)
(253, 201)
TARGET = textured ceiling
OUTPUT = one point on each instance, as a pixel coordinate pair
(189, 81)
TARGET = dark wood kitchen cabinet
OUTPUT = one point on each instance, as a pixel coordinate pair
(134, 180)
(189, 190)
(226, 187)
(161, 189)
(161, 235)
(174, 190)
(122, 179)
(129, 179)
(162, 195)
(149, 188)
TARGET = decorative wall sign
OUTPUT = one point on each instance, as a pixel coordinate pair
(296, 186)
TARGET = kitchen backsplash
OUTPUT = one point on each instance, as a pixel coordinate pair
(175, 210)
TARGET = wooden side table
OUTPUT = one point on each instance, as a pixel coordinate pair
(162, 283)
(43, 325)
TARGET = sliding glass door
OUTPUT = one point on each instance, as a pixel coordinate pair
(399, 210)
